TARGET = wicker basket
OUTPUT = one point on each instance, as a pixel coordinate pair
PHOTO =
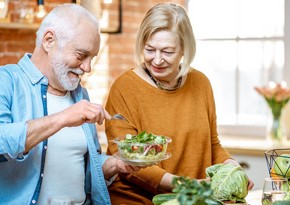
(271, 159)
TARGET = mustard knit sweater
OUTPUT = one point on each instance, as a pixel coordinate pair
(186, 115)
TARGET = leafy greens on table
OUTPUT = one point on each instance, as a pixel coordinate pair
(192, 192)
(229, 182)
(188, 191)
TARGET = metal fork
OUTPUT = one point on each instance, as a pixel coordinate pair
(118, 116)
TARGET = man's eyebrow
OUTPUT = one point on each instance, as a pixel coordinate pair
(83, 51)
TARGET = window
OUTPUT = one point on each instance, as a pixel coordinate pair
(241, 44)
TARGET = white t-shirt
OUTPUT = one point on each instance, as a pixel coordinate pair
(64, 170)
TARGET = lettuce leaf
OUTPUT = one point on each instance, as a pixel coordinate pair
(228, 182)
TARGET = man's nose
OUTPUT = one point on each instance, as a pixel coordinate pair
(86, 66)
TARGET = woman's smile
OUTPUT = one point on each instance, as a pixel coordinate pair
(158, 69)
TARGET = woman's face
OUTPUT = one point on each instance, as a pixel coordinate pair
(162, 55)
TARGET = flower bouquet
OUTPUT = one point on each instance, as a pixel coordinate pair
(276, 96)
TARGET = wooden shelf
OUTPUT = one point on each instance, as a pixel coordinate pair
(14, 25)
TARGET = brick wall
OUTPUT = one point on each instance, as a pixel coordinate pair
(15, 42)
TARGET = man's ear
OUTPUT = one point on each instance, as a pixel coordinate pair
(49, 40)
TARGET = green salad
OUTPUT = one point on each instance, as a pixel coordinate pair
(144, 146)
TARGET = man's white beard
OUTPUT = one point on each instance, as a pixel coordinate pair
(61, 72)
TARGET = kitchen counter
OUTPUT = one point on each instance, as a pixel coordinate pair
(247, 145)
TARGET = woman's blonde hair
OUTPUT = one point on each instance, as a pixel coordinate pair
(168, 17)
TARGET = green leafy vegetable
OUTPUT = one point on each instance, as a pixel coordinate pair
(287, 196)
(228, 182)
(144, 137)
(162, 198)
(171, 202)
(192, 192)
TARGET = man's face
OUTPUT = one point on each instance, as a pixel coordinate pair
(74, 59)
(67, 77)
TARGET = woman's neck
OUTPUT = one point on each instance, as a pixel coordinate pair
(164, 85)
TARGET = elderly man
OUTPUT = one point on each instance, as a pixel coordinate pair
(48, 138)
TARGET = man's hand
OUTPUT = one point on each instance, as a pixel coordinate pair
(75, 115)
(114, 166)
(126, 168)
(82, 112)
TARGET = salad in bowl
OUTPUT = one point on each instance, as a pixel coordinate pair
(143, 149)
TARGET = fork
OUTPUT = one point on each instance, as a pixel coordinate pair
(118, 116)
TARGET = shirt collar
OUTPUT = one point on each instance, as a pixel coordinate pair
(31, 70)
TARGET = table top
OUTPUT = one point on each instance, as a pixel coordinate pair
(254, 197)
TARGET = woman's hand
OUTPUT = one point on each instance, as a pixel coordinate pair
(235, 163)
(250, 184)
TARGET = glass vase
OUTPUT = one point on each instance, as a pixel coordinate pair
(276, 131)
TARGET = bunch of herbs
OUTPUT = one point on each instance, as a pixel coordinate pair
(194, 192)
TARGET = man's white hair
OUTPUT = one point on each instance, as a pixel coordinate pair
(62, 20)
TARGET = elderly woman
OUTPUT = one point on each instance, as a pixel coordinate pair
(163, 95)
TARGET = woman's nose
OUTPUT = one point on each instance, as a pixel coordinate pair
(158, 59)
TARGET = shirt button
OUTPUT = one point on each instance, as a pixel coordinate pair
(45, 147)
(41, 174)
(33, 201)
(44, 80)
(44, 96)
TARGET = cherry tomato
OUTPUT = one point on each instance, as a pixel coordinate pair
(158, 147)
(134, 147)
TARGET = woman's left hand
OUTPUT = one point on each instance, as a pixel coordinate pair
(250, 184)
(235, 163)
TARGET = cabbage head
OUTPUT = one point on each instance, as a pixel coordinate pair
(228, 182)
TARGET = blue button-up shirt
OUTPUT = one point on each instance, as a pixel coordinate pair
(23, 97)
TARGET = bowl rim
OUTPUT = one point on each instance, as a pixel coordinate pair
(117, 140)
(143, 162)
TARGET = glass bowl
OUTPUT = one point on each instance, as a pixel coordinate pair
(142, 151)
